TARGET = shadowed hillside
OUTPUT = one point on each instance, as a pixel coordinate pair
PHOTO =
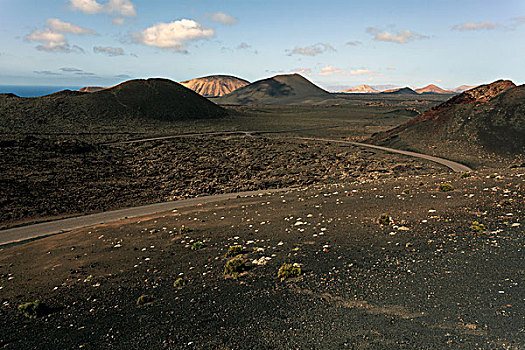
(215, 85)
(134, 102)
(490, 117)
(401, 91)
(279, 90)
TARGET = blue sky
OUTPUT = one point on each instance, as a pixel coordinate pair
(336, 44)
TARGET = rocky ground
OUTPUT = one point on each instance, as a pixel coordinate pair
(43, 177)
(443, 271)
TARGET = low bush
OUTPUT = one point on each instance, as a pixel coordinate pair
(34, 309)
(144, 299)
(384, 219)
(179, 282)
(234, 266)
(197, 245)
(477, 227)
(446, 187)
(289, 271)
(234, 250)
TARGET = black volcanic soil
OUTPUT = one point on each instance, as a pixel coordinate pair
(427, 281)
(481, 126)
(128, 106)
(47, 177)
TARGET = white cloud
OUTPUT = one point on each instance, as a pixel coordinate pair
(222, 18)
(401, 37)
(304, 71)
(123, 8)
(109, 51)
(312, 50)
(57, 26)
(330, 70)
(353, 43)
(476, 26)
(89, 7)
(174, 35)
(52, 38)
(361, 72)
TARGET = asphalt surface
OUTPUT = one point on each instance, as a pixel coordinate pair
(457, 167)
(29, 232)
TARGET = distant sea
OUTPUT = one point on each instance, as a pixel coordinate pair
(33, 91)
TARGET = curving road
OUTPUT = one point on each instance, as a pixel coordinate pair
(455, 166)
(29, 232)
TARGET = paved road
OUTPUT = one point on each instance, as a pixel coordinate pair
(216, 133)
(458, 167)
(24, 233)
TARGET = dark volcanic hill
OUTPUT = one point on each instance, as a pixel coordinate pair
(432, 89)
(279, 90)
(490, 117)
(134, 101)
(215, 85)
(401, 91)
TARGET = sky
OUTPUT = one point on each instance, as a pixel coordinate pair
(335, 44)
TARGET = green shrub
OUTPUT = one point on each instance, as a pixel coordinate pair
(34, 309)
(234, 250)
(183, 230)
(144, 299)
(384, 219)
(197, 245)
(289, 271)
(466, 174)
(477, 227)
(446, 187)
(234, 266)
(179, 282)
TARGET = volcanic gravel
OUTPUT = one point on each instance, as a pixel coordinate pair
(427, 280)
(43, 178)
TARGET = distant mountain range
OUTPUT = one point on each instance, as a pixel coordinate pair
(215, 85)
(278, 90)
(429, 89)
(490, 116)
(361, 89)
(401, 91)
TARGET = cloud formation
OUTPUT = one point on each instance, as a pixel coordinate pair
(109, 51)
(123, 8)
(174, 35)
(353, 43)
(45, 72)
(220, 17)
(330, 70)
(58, 26)
(52, 38)
(476, 26)
(70, 69)
(361, 72)
(401, 37)
(312, 50)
